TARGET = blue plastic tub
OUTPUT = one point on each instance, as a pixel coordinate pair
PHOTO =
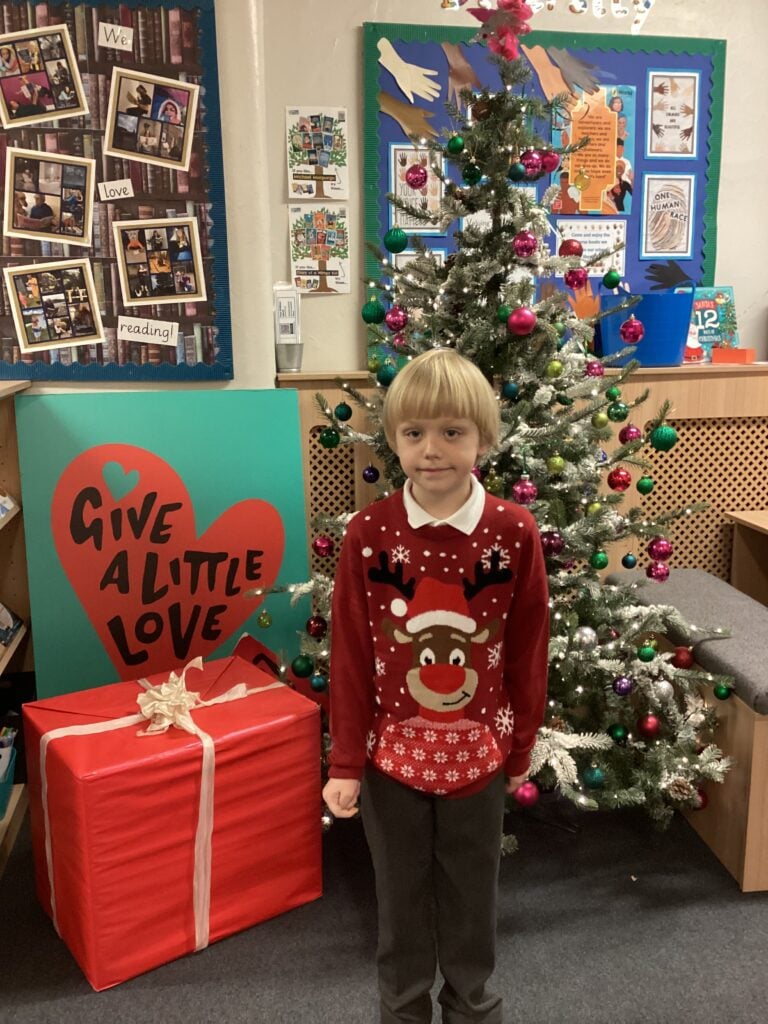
(6, 784)
(666, 317)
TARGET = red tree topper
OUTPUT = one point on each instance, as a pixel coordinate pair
(502, 27)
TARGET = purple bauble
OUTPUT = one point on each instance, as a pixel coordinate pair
(623, 686)
(416, 176)
(630, 433)
(525, 491)
(631, 331)
(370, 474)
(323, 545)
(531, 161)
(551, 542)
(658, 571)
(576, 277)
(550, 161)
(594, 368)
(521, 320)
(659, 548)
(526, 794)
(525, 244)
(396, 318)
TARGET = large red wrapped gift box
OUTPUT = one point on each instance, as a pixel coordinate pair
(148, 847)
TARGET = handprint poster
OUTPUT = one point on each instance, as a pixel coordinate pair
(644, 103)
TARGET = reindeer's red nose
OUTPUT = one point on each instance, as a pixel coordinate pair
(442, 678)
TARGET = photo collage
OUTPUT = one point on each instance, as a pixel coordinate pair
(39, 77)
(51, 196)
(54, 305)
(159, 261)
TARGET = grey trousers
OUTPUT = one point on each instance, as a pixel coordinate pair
(437, 863)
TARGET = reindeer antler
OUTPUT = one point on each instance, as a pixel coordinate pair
(484, 578)
(394, 577)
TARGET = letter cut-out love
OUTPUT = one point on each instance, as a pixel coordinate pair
(156, 593)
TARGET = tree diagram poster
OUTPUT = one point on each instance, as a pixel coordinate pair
(148, 517)
(319, 241)
(111, 117)
(316, 148)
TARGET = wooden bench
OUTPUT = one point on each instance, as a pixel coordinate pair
(734, 824)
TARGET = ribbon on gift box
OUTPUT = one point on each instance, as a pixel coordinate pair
(168, 705)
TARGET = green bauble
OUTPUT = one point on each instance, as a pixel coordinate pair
(646, 653)
(555, 465)
(613, 393)
(554, 368)
(395, 240)
(663, 438)
(722, 691)
(510, 390)
(612, 279)
(329, 438)
(562, 399)
(599, 560)
(618, 732)
(374, 361)
(343, 412)
(318, 682)
(516, 172)
(386, 374)
(600, 420)
(455, 145)
(503, 314)
(560, 329)
(373, 312)
(645, 484)
(494, 484)
(594, 508)
(303, 666)
(593, 777)
(264, 620)
(471, 173)
(617, 411)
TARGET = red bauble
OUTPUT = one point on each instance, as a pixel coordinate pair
(701, 800)
(649, 727)
(527, 793)
(551, 542)
(521, 320)
(550, 161)
(619, 479)
(531, 161)
(659, 548)
(396, 318)
(658, 571)
(632, 331)
(683, 658)
(399, 341)
(525, 491)
(630, 433)
(576, 278)
(594, 368)
(317, 627)
(570, 247)
(416, 176)
(525, 244)
(323, 545)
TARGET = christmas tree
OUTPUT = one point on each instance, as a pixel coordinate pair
(625, 725)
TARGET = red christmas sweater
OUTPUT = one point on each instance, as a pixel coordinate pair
(439, 661)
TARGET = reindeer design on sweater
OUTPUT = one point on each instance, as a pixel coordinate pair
(442, 632)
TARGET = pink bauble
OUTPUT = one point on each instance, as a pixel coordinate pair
(551, 542)
(525, 491)
(570, 247)
(549, 161)
(416, 176)
(630, 433)
(323, 545)
(658, 571)
(396, 318)
(659, 548)
(477, 473)
(399, 341)
(619, 479)
(576, 277)
(649, 727)
(526, 794)
(525, 244)
(594, 368)
(531, 161)
(701, 800)
(632, 331)
(521, 320)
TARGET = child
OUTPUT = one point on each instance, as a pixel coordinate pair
(438, 684)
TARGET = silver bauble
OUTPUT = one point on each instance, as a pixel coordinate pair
(585, 638)
(663, 689)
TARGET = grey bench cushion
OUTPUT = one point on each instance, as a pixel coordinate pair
(706, 600)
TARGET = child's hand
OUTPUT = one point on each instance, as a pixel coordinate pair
(341, 797)
(513, 781)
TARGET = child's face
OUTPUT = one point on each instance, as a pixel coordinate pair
(437, 455)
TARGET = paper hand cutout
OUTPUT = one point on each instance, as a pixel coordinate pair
(411, 79)
(461, 74)
(666, 275)
(576, 72)
(413, 120)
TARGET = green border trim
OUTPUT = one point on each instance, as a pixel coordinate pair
(712, 48)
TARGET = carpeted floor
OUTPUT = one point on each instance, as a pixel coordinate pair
(611, 923)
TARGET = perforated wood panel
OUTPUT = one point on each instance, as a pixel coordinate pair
(722, 462)
(331, 491)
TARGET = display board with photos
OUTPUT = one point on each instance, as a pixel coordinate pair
(114, 234)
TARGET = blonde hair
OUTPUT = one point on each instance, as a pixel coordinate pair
(439, 383)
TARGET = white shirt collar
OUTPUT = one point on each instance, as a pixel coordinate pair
(464, 519)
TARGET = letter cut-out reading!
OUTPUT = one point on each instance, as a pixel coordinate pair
(156, 593)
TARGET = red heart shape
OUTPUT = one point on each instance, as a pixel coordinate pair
(156, 593)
